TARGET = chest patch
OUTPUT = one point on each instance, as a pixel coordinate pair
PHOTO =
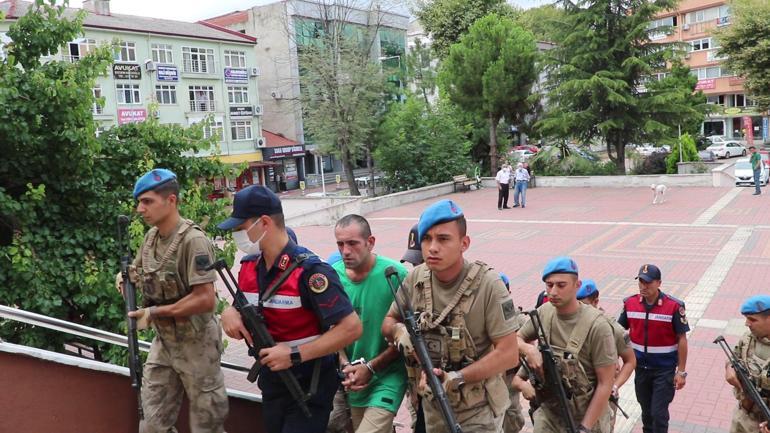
(318, 282)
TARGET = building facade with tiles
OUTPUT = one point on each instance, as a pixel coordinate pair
(692, 24)
(179, 72)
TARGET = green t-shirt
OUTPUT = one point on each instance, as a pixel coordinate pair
(371, 299)
(755, 158)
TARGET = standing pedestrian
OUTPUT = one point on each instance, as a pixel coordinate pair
(179, 301)
(305, 307)
(756, 165)
(582, 340)
(658, 329)
(753, 350)
(375, 378)
(521, 177)
(503, 180)
(467, 317)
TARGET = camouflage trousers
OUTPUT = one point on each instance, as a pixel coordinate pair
(479, 419)
(185, 365)
(548, 420)
(513, 420)
(743, 422)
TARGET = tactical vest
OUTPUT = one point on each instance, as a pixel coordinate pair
(579, 388)
(759, 371)
(451, 345)
(162, 285)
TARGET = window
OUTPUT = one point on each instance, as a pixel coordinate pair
(79, 48)
(716, 100)
(216, 129)
(97, 108)
(4, 39)
(126, 52)
(198, 60)
(162, 53)
(165, 94)
(128, 94)
(241, 130)
(238, 94)
(709, 72)
(700, 44)
(201, 98)
(235, 59)
(702, 15)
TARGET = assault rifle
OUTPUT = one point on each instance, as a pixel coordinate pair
(552, 373)
(421, 350)
(129, 294)
(743, 376)
(254, 322)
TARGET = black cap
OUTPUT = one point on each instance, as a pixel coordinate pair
(648, 273)
(252, 202)
(413, 252)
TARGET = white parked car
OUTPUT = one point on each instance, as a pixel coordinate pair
(727, 149)
(523, 154)
(744, 174)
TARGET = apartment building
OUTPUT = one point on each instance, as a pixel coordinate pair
(180, 73)
(692, 24)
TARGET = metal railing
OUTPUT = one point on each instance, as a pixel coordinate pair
(205, 106)
(199, 66)
(35, 319)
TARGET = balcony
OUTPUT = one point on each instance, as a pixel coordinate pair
(202, 106)
(723, 21)
(199, 66)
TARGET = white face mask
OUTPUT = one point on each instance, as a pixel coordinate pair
(242, 241)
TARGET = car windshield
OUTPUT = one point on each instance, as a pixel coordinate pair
(743, 165)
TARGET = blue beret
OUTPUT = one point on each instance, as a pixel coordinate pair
(588, 288)
(560, 265)
(506, 281)
(252, 202)
(334, 258)
(438, 213)
(756, 304)
(151, 180)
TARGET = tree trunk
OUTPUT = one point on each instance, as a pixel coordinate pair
(347, 163)
(620, 153)
(370, 166)
(493, 121)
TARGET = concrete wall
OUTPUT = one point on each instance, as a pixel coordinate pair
(722, 176)
(616, 181)
(696, 167)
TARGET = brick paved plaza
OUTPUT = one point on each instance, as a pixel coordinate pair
(712, 245)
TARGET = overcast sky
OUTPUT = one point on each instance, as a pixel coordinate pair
(186, 10)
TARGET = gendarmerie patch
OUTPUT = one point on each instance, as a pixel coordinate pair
(202, 261)
(508, 309)
(318, 282)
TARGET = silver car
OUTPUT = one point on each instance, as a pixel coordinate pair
(744, 174)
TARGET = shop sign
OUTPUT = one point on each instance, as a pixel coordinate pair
(126, 71)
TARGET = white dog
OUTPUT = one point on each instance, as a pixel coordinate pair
(658, 192)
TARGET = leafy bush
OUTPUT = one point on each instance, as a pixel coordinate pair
(550, 163)
(653, 164)
(689, 153)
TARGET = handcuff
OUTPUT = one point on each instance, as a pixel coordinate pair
(361, 361)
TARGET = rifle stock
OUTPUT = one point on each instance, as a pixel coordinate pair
(742, 372)
(129, 295)
(552, 373)
(254, 322)
(421, 350)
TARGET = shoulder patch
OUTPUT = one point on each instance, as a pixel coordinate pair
(318, 282)
(284, 262)
(509, 311)
(202, 261)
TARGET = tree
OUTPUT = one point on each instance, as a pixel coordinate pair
(603, 57)
(674, 103)
(746, 43)
(422, 145)
(421, 70)
(689, 153)
(542, 21)
(61, 188)
(343, 90)
(447, 20)
(491, 72)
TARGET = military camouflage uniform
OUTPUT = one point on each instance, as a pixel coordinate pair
(455, 342)
(588, 335)
(514, 415)
(185, 354)
(755, 354)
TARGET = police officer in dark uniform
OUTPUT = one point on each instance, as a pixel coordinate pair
(309, 315)
(658, 329)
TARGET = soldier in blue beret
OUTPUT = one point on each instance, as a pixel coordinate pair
(308, 313)
(179, 301)
(753, 350)
(470, 316)
(578, 335)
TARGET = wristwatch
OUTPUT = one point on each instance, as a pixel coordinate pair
(458, 378)
(296, 357)
(682, 373)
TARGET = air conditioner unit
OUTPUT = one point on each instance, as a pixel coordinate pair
(149, 65)
(260, 142)
(686, 55)
(258, 110)
(156, 114)
(254, 72)
(276, 94)
(686, 27)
